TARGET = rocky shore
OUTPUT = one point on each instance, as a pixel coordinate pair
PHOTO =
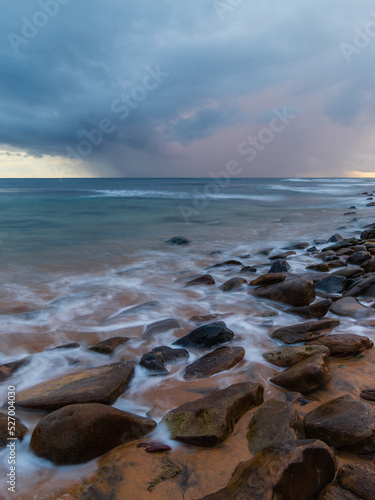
(298, 425)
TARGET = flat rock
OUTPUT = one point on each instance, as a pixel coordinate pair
(349, 306)
(207, 336)
(315, 311)
(358, 258)
(210, 420)
(15, 426)
(294, 291)
(222, 358)
(274, 422)
(293, 470)
(279, 266)
(342, 422)
(205, 279)
(365, 288)
(302, 332)
(103, 384)
(286, 356)
(331, 284)
(78, 433)
(178, 240)
(161, 326)
(268, 279)
(344, 344)
(155, 360)
(305, 376)
(108, 346)
(233, 284)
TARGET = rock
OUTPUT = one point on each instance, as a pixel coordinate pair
(207, 336)
(227, 263)
(108, 346)
(155, 360)
(6, 427)
(337, 263)
(294, 291)
(302, 332)
(265, 251)
(78, 433)
(345, 252)
(233, 284)
(322, 268)
(342, 244)
(305, 376)
(207, 317)
(344, 344)
(297, 246)
(312, 249)
(327, 253)
(335, 238)
(268, 279)
(282, 256)
(7, 369)
(161, 326)
(349, 306)
(368, 234)
(368, 266)
(210, 420)
(331, 284)
(103, 384)
(335, 492)
(317, 310)
(274, 422)
(342, 422)
(349, 272)
(70, 345)
(279, 266)
(359, 479)
(365, 288)
(359, 258)
(178, 240)
(222, 358)
(368, 394)
(205, 279)
(248, 269)
(287, 356)
(293, 470)
(146, 306)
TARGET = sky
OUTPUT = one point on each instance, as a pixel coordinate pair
(170, 88)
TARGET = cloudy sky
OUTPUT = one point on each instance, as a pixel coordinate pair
(169, 88)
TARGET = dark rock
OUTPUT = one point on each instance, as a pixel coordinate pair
(302, 332)
(322, 268)
(359, 479)
(286, 356)
(279, 266)
(368, 394)
(102, 384)
(294, 291)
(331, 284)
(330, 258)
(297, 246)
(274, 422)
(265, 251)
(155, 360)
(349, 306)
(312, 249)
(320, 242)
(337, 263)
(349, 213)
(207, 317)
(178, 240)
(368, 266)
(327, 253)
(233, 284)
(368, 234)
(293, 470)
(305, 376)
(359, 258)
(344, 344)
(342, 244)
(345, 252)
(6, 427)
(315, 311)
(70, 345)
(161, 326)
(282, 256)
(335, 492)
(335, 238)
(108, 346)
(248, 269)
(210, 420)
(349, 272)
(365, 288)
(207, 336)
(246, 256)
(227, 263)
(222, 358)
(78, 433)
(268, 279)
(205, 279)
(7, 369)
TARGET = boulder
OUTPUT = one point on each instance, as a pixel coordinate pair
(290, 355)
(344, 344)
(315, 311)
(349, 306)
(108, 346)
(268, 279)
(358, 258)
(233, 284)
(342, 422)
(365, 288)
(222, 358)
(155, 360)
(331, 284)
(161, 326)
(305, 376)
(293, 291)
(103, 384)
(293, 470)
(274, 422)
(15, 427)
(78, 433)
(210, 420)
(178, 240)
(302, 332)
(279, 266)
(205, 279)
(207, 336)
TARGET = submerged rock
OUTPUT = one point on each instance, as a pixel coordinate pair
(227, 263)
(317, 310)
(178, 240)
(233, 284)
(305, 376)
(344, 344)
(290, 355)
(78, 433)
(207, 336)
(155, 360)
(222, 358)
(108, 346)
(161, 326)
(103, 384)
(331, 284)
(207, 317)
(210, 420)
(293, 291)
(205, 279)
(305, 331)
(282, 256)
(7, 369)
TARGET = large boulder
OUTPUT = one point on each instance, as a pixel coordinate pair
(349, 306)
(274, 422)
(210, 420)
(207, 336)
(304, 331)
(305, 376)
(222, 358)
(103, 384)
(78, 433)
(315, 311)
(286, 356)
(343, 344)
(294, 291)
(297, 469)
